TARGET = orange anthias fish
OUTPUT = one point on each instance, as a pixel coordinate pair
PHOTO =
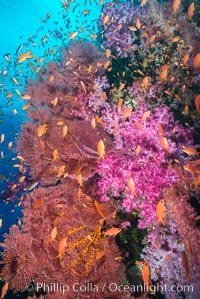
(188, 245)
(73, 35)
(197, 102)
(145, 115)
(138, 149)
(101, 149)
(113, 231)
(61, 247)
(53, 233)
(185, 264)
(25, 56)
(37, 203)
(175, 6)
(145, 82)
(61, 170)
(4, 290)
(143, 2)
(197, 61)
(55, 155)
(146, 275)
(190, 151)
(160, 128)
(164, 71)
(127, 112)
(190, 11)
(191, 168)
(131, 185)
(99, 210)
(186, 58)
(64, 131)
(108, 53)
(164, 143)
(160, 211)
(41, 130)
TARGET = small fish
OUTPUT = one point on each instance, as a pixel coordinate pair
(131, 185)
(93, 123)
(1, 222)
(80, 179)
(146, 275)
(85, 12)
(26, 106)
(101, 149)
(164, 143)
(9, 95)
(61, 247)
(186, 58)
(15, 81)
(19, 93)
(19, 49)
(99, 210)
(175, 6)
(175, 39)
(2, 138)
(83, 86)
(61, 170)
(73, 35)
(190, 11)
(197, 218)
(108, 53)
(145, 115)
(160, 211)
(143, 2)
(25, 56)
(93, 36)
(197, 61)
(132, 28)
(160, 128)
(119, 105)
(7, 57)
(197, 102)
(106, 20)
(4, 290)
(190, 151)
(37, 203)
(185, 264)
(127, 112)
(191, 168)
(41, 130)
(53, 233)
(51, 79)
(60, 123)
(10, 144)
(138, 24)
(113, 231)
(188, 245)
(164, 72)
(138, 149)
(145, 82)
(64, 131)
(31, 187)
(55, 155)
(26, 97)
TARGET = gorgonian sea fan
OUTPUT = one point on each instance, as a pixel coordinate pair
(31, 252)
(141, 156)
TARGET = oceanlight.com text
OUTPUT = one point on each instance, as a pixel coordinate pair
(113, 287)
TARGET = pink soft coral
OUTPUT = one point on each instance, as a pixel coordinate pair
(141, 156)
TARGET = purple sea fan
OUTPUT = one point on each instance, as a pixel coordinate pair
(142, 157)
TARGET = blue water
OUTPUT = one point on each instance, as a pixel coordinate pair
(37, 26)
